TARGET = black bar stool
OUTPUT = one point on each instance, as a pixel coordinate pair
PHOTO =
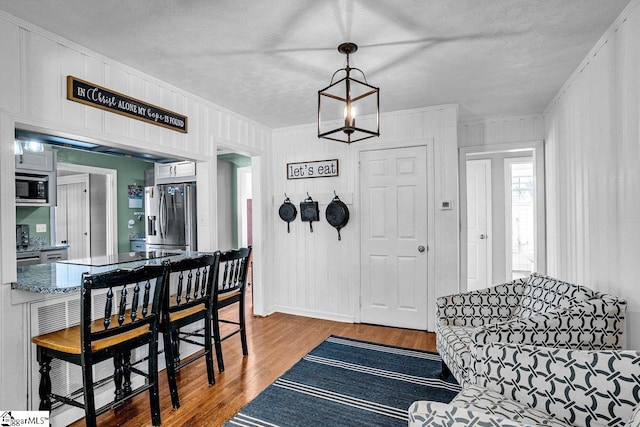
(187, 301)
(134, 295)
(229, 288)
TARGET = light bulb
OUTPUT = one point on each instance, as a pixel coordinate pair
(34, 146)
(349, 117)
(17, 148)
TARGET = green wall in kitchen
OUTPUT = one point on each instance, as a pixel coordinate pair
(130, 171)
(34, 215)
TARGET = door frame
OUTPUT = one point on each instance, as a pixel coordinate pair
(243, 176)
(259, 268)
(431, 211)
(112, 201)
(538, 169)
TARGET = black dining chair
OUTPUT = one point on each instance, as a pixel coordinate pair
(119, 314)
(186, 310)
(229, 288)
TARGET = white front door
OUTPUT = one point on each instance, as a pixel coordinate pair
(478, 224)
(393, 201)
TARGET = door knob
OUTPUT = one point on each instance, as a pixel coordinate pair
(421, 248)
(483, 236)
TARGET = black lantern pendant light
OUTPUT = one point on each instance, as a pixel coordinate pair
(341, 101)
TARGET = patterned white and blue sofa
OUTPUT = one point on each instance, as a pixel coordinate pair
(537, 310)
(532, 386)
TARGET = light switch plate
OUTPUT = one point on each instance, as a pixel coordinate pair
(446, 205)
(41, 228)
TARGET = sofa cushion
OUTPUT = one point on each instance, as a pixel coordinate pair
(479, 399)
(543, 294)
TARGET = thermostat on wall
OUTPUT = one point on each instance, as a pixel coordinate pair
(446, 205)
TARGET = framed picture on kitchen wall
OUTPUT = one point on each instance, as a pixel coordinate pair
(135, 196)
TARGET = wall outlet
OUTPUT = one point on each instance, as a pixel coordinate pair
(446, 205)
(41, 228)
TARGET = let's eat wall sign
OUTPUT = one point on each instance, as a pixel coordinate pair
(109, 100)
(315, 169)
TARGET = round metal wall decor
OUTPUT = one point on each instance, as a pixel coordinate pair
(337, 214)
(287, 212)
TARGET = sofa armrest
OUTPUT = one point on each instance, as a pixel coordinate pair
(634, 421)
(475, 308)
(579, 387)
(435, 414)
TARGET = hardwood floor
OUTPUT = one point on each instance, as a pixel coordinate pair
(276, 343)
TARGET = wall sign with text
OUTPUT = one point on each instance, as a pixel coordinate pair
(109, 100)
(315, 169)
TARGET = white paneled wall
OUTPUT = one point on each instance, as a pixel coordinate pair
(33, 73)
(593, 179)
(314, 273)
(33, 83)
(501, 130)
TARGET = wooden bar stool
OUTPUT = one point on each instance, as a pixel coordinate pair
(229, 288)
(102, 335)
(187, 301)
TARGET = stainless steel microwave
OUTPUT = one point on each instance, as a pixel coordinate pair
(32, 189)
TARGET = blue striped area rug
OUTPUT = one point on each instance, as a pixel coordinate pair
(346, 382)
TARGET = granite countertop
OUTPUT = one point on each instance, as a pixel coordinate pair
(66, 277)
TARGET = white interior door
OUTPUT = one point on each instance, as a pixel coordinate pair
(393, 200)
(72, 215)
(479, 260)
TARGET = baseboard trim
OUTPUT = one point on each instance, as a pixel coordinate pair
(315, 314)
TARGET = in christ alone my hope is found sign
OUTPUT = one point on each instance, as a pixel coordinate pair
(97, 96)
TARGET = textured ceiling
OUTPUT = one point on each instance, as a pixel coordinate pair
(267, 59)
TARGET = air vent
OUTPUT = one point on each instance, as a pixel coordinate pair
(65, 377)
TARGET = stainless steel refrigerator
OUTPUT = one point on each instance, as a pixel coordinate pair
(170, 210)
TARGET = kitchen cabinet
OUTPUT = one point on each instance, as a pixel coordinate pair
(138, 245)
(24, 258)
(43, 162)
(53, 255)
(167, 173)
(39, 165)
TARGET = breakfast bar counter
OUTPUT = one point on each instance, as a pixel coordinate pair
(64, 277)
